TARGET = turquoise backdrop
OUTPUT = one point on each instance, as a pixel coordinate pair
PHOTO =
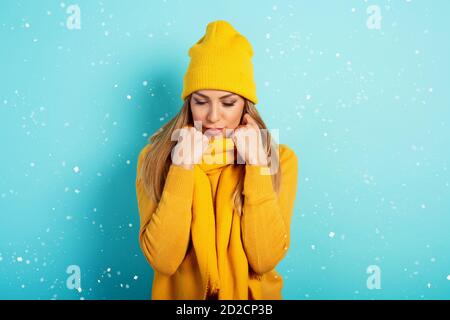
(358, 89)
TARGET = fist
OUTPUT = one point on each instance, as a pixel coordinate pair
(191, 145)
(248, 141)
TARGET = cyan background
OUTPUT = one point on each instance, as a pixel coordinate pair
(366, 111)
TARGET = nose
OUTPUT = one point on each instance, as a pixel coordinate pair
(213, 114)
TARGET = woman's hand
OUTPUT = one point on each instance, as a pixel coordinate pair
(249, 144)
(190, 147)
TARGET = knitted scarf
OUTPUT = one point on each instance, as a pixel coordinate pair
(215, 227)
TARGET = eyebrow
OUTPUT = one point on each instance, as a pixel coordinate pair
(225, 96)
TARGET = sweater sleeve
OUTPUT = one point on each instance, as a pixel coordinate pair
(165, 226)
(267, 217)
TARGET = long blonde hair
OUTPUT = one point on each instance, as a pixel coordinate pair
(156, 163)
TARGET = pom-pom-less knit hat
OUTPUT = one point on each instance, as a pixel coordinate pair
(221, 60)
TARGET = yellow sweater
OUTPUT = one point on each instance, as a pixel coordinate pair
(260, 237)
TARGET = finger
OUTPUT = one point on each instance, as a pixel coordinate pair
(181, 133)
(245, 118)
(198, 125)
(250, 121)
(228, 133)
(233, 136)
(247, 121)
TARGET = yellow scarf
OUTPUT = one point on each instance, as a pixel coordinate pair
(215, 228)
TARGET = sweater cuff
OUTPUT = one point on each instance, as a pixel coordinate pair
(257, 185)
(180, 182)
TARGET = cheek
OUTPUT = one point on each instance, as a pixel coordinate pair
(197, 114)
(234, 118)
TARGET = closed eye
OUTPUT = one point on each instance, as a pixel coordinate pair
(229, 104)
(199, 102)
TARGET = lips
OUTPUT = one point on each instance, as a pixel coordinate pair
(213, 131)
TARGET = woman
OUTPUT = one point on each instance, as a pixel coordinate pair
(214, 223)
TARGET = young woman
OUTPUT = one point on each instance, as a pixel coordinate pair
(214, 223)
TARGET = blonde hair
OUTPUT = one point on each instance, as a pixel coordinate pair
(156, 163)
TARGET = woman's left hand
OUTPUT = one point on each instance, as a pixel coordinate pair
(253, 151)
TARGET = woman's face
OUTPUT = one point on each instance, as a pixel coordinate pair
(217, 109)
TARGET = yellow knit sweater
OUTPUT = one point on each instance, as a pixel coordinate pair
(255, 242)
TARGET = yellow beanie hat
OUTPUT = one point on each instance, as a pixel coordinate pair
(221, 60)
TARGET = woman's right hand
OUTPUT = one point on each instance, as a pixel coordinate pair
(192, 143)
